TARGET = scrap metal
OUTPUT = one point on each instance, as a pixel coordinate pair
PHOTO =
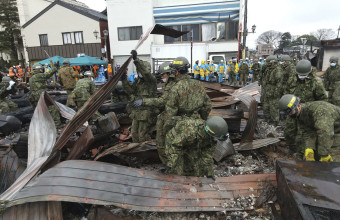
(256, 144)
(308, 190)
(100, 183)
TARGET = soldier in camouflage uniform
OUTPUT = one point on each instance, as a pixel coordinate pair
(118, 94)
(232, 72)
(7, 87)
(272, 90)
(256, 70)
(308, 87)
(315, 127)
(169, 78)
(38, 85)
(190, 145)
(144, 87)
(332, 81)
(289, 75)
(243, 72)
(67, 78)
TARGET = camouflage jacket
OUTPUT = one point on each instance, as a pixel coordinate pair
(256, 68)
(288, 75)
(4, 93)
(119, 96)
(332, 75)
(84, 89)
(309, 89)
(244, 68)
(67, 77)
(187, 97)
(160, 101)
(262, 74)
(272, 81)
(196, 146)
(319, 117)
(232, 71)
(38, 80)
(142, 87)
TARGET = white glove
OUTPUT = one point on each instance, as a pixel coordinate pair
(11, 83)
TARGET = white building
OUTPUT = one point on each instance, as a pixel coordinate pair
(214, 25)
(63, 28)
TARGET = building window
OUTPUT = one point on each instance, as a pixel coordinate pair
(186, 37)
(78, 37)
(209, 32)
(67, 38)
(43, 39)
(130, 33)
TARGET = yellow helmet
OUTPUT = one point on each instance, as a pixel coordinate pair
(202, 62)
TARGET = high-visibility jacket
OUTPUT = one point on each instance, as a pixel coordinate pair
(11, 72)
(109, 70)
(20, 72)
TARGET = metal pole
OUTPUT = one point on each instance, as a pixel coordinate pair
(338, 32)
(191, 36)
(245, 29)
(105, 37)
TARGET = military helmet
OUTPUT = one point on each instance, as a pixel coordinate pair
(288, 103)
(180, 63)
(6, 79)
(119, 85)
(66, 62)
(303, 67)
(88, 73)
(164, 68)
(271, 59)
(216, 126)
(286, 57)
(333, 59)
(37, 66)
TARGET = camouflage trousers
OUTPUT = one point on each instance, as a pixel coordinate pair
(7, 106)
(160, 137)
(70, 102)
(232, 79)
(255, 77)
(243, 79)
(34, 97)
(271, 110)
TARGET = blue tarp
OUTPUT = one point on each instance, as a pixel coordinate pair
(85, 60)
(55, 59)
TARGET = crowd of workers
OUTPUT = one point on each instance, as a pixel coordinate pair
(186, 137)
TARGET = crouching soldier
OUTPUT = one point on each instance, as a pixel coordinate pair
(7, 88)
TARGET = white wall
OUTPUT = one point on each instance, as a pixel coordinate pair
(57, 20)
(125, 13)
(328, 54)
(29, 8)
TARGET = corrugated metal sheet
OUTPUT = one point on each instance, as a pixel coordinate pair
(256, 144)
(105, 184)
(308, 190)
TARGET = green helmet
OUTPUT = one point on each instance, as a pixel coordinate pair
(165, 68)
(271, 59)
(66, 62)
(286, 57)
(181, 63)
(88, 73)
(288, 103)
(303, 68)
(333, 59)
(119, 85)
(217, 127)
(37, 66)
(6, 79)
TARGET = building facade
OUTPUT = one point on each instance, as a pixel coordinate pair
(213, 29)
(62, 29)
(264, 50)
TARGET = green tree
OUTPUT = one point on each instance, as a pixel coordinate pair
(309, 38)
(285, 41)
(10, 33)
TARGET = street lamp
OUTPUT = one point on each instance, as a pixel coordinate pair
(106, 33)
(245, 33)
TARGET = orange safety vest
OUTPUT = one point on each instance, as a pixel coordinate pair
(95, 71)
(109, 70)
(20, 72)
(11, 73)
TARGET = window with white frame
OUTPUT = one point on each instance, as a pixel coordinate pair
(78, 37)
(67, 39)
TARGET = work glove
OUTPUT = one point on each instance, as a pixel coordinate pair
(10, 84)
(137, 103)
(326, 159)
(309, 154)
(134, 54)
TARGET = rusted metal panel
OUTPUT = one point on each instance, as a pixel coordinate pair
(256, 144)
(82, 144)
(249, 131)
(308, 190)
(34, 210)
(106, 184)
(227, 113)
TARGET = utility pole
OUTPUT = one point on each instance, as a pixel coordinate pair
(192, 44)
(245, 29)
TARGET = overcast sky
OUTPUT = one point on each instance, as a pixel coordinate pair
(295, 16)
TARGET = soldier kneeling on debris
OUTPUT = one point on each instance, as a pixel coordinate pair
(316, 124)
(7, 88)
(190, 145)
